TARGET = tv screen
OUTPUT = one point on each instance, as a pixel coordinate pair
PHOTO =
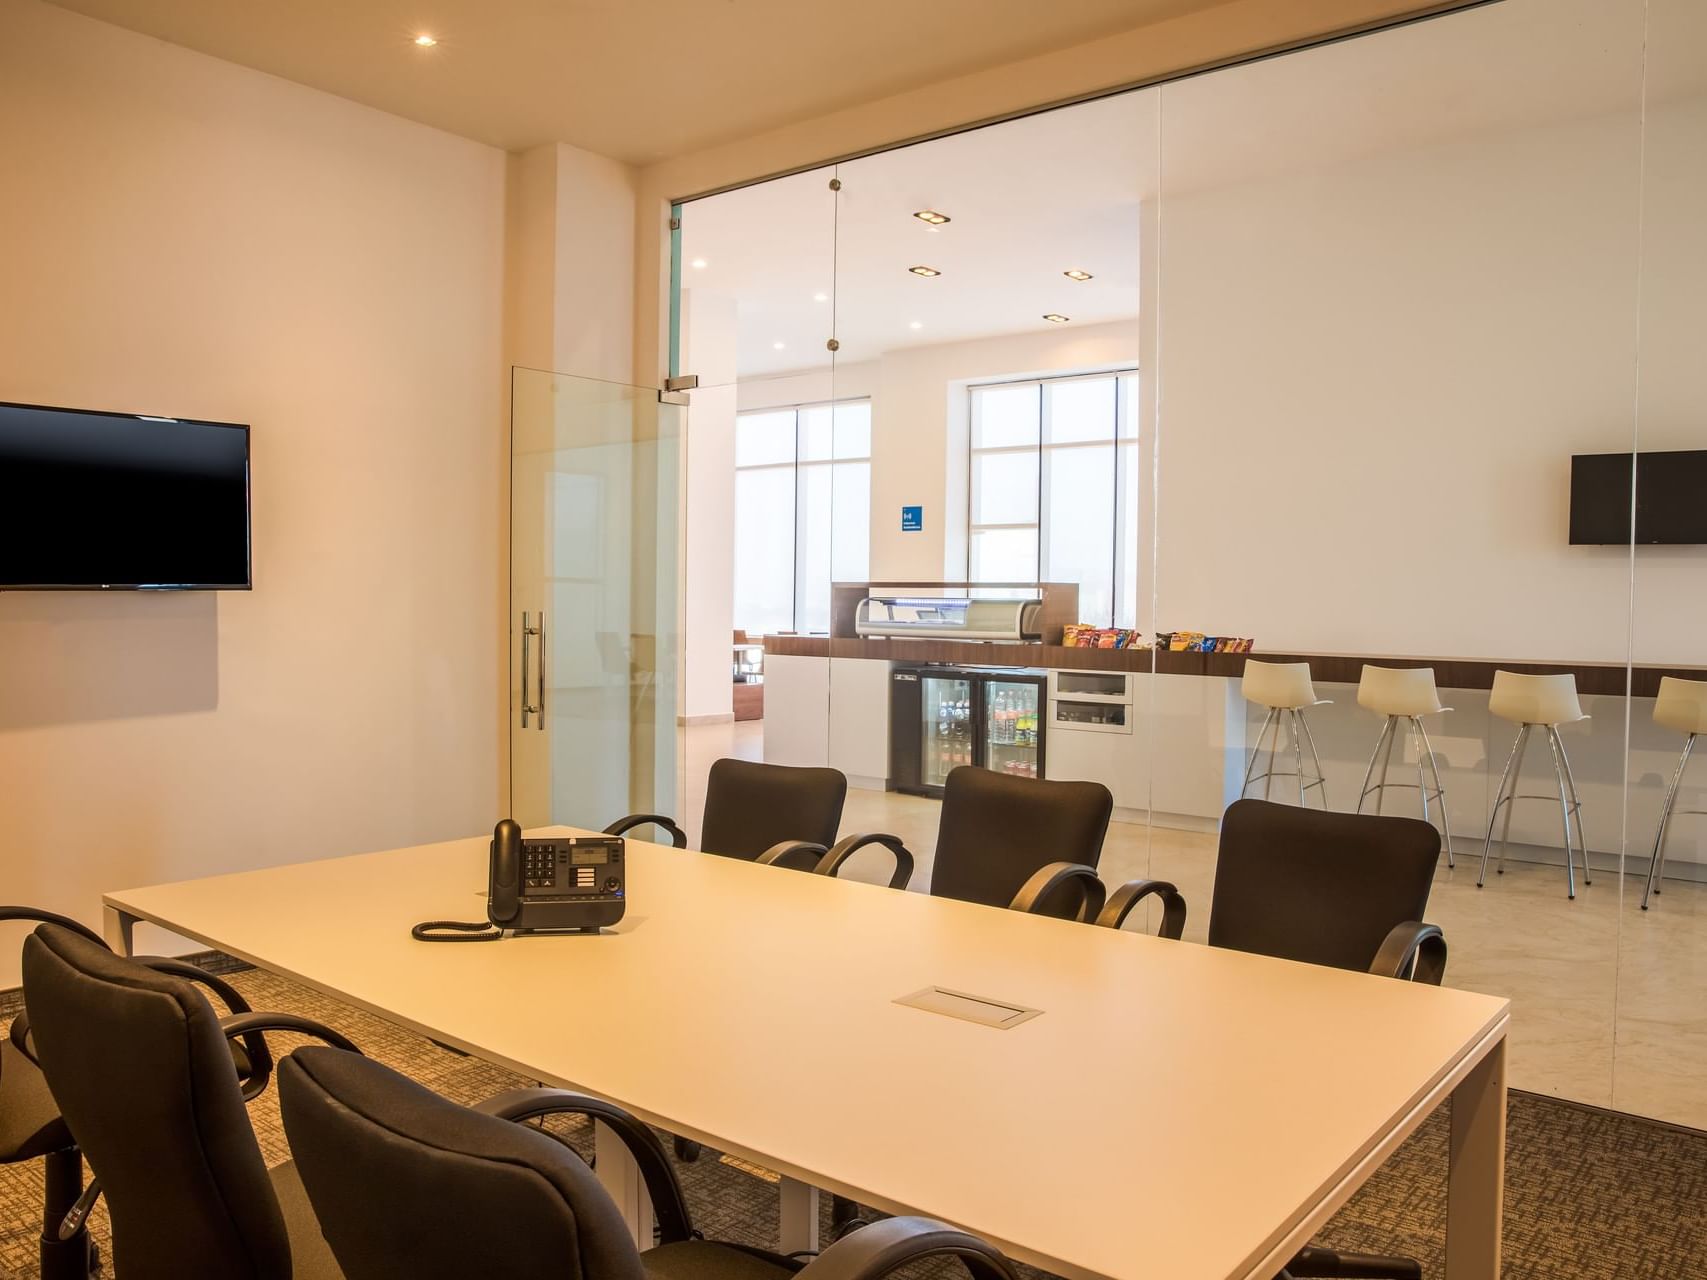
(109, 501)
(1671, 497)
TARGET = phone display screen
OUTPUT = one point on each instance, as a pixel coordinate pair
(588, 857)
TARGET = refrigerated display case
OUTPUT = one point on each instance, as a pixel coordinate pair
(944, 717)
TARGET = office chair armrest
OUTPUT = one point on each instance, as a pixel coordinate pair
(796, 855)
(622, 826)
(846, 847)
(248, 1027)
(883, 1247)
(669, 1206)
(1423, 944)
(1122, 901)
(1316, 1263)
(1046, 880)
(253, 1060)
(254, 1064)
(35, 915)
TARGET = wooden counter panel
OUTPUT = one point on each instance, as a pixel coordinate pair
(1593, 678)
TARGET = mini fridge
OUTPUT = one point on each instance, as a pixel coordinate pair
(943, 717)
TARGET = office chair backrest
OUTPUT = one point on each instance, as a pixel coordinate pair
(143, 1076)
(996, 830)
(1325, 888)
(750, 807)
(406, 1183)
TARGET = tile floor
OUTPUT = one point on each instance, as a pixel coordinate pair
(1609, 1003)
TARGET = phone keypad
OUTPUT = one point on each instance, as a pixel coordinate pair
(539, 866)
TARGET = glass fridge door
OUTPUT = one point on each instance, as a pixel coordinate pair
(947, 727)
(1012, 727)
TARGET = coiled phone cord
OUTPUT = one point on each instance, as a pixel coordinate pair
(455, 931)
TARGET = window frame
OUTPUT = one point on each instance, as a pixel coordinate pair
(802, 468)
(1122, 559)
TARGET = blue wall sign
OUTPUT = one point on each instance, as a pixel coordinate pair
(912, 519)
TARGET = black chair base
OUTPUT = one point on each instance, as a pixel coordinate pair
(72, 1259)
(687, 1150)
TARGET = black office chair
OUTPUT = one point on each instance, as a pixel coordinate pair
(1339, 889)
(475, 1192)
(142, 1070)
(771, 813)
(31, 1126)
(1006, 841)
(1344, 890)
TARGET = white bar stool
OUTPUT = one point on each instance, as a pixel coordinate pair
(1536, 702)
(1409, 694)
(1681, 705)
(1285, 689)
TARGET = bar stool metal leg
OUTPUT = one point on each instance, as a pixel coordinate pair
(1439, 792)
(1576, 803)
(1565, 816)
(1380, 741)
(1316, 759)
(1256, 752)
(1298, 753)
(1656, 865)
(1501, 798)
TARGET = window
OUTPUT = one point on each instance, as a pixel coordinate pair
(1053, 497)
(802, 512)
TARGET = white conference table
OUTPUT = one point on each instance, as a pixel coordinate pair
(1173, 1110)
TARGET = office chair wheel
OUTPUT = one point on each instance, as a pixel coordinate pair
(687, 1150)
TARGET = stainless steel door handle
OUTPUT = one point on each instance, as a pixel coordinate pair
(539, 703)
(529, 708)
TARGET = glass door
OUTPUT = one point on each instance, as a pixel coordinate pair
(1013, 727)
(594, 507)
(946, 727)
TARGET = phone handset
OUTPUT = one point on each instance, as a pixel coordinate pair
(503, 896)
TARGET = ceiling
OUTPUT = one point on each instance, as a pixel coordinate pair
(1033, 197)
(1028, 200)
(637, 80)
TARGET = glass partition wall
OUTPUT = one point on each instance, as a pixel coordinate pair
(1661, 1027)
(594, 679)
(1345, 356)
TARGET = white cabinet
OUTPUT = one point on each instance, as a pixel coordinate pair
(1091, 734)
(1171, 745)
(797, 710)
(859, 720)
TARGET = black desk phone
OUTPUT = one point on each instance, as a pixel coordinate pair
(549, 884)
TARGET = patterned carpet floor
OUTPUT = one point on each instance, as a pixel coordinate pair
(1589, 1194)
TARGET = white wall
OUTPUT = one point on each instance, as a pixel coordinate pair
(1372, 380)
(182, 236)
(708, 508)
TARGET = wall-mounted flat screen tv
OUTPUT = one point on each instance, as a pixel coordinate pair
(121, 501)
(1671, 497)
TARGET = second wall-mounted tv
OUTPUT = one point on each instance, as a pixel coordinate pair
(121, 501)
(1670, 490)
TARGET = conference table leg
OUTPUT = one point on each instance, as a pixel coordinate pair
(799, 1216)
(620, 1176)
(1475, 1194)
(118, 928)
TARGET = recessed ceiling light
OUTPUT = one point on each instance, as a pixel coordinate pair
(933, 217)
(820, 296)
(1076, 274)
(698, 264)
(426, 41)
(916, 324)
(924, 271)
(1054, 319)
(778, 346)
